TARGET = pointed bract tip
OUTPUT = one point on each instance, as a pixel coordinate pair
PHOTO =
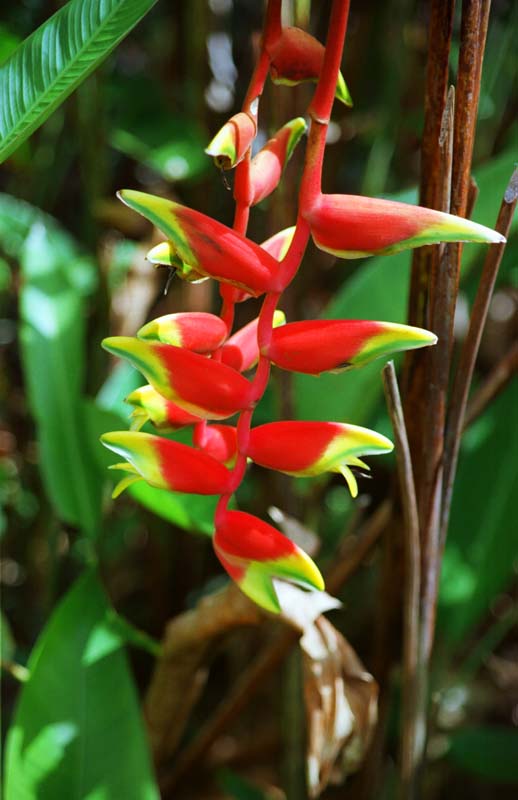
(163, 254)
(464, 230)
(342, 92)
(118, 345)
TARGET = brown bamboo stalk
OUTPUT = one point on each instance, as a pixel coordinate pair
(411, 722)
(430, 195)
(473, 34)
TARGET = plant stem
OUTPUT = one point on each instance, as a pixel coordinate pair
(412, 726)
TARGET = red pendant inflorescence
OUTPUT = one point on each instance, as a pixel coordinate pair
(193, 362)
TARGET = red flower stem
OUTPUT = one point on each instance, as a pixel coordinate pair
(320, 112)
(322, 103)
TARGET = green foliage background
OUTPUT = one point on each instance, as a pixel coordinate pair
(107, 107)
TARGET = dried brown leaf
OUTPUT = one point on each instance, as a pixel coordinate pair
(341, 706)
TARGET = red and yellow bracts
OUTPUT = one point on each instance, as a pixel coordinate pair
(166, 464)
(202, 387)
(254, 553)
(316, 346)
(306, 449)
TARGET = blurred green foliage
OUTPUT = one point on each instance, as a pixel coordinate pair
(71, 271)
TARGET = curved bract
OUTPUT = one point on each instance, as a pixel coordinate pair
(197, 384)
(166, 464)
(316, 346)
(296, 56)
(163, 414)
(209, 247)
(253, 553)
(193, 330)
(306, 449)
(351, 226)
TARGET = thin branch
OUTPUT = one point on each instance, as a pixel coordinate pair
(473, 35)
(468, 356)
(496, 381)
(411, 722)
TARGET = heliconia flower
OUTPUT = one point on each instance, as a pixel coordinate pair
(218, 441)
(279, 244)
(350, 226)
(231, 142)
(209, 247)
(253, 553)
(193, 330)
(164, 255)
(296, 56)
(166, 464)
(267, 166)
(316, 346)
(241, 351)
(197, 384)
(306, 449)
(165, 415)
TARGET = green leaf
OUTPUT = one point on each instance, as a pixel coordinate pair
(56, 280)
(490, 752)
(7, 644)
(193, 512)
(481, 549)
(54, 60)
(238, 788)
(77, 730)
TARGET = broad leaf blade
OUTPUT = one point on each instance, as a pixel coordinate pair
(54, 60)
(77, 731)
(56, 278)
(482, 548)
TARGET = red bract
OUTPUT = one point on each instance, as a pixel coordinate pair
(306, 449)
(230, 144)
(163, 414)
(349, 226)
(195, 330)
(253, 553)
(207, 246)
(201, 386)
(296, 56)
(317, 346)
(267, 166)
(218, 441)
(166, 464)
(241, 351)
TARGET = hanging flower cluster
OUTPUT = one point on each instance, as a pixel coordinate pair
(194, 364)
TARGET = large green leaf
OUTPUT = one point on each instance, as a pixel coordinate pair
(482, 547)
(77, 731)
(54, 60)
(490, 752)
(56, 280)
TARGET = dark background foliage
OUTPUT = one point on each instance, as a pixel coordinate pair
(72, 255)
